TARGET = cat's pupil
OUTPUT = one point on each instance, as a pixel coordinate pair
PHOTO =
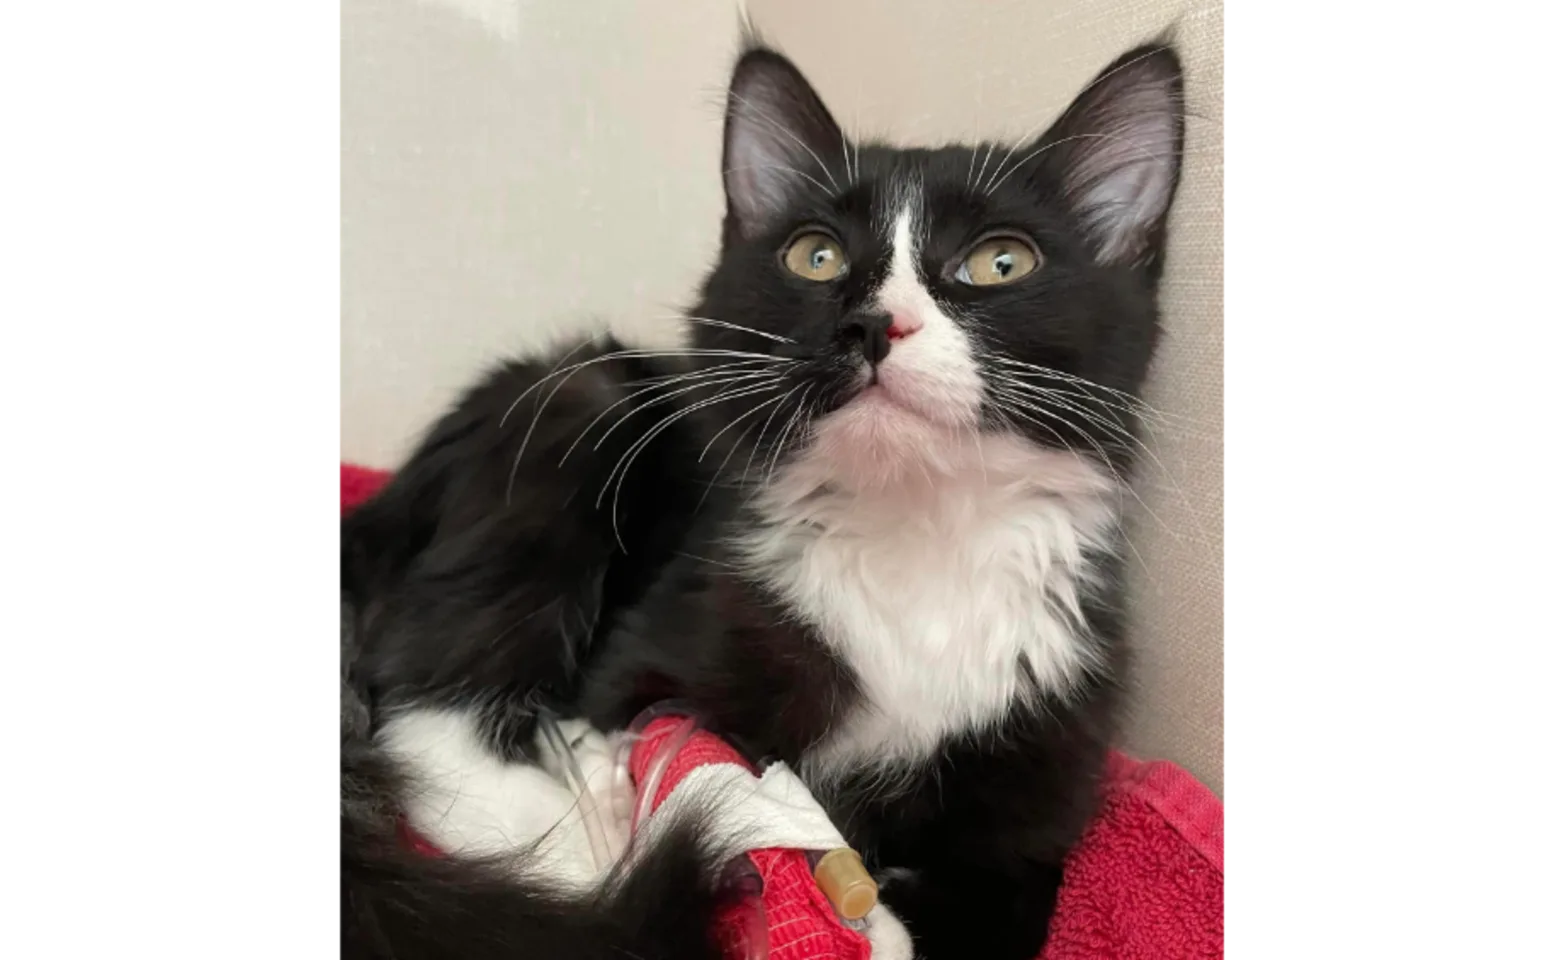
(1003, 264)
(820, 257)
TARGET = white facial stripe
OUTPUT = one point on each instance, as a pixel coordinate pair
(933, 370)
(902, 290)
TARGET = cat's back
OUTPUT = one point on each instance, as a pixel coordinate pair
(549, 495)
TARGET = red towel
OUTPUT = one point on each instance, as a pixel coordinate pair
(1145, 882)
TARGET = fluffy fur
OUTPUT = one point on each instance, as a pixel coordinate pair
(865, 524)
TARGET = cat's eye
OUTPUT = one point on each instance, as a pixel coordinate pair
(815, 256)
(998, 260)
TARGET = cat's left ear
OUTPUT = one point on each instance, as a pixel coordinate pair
(1116, 153)
(779, 141)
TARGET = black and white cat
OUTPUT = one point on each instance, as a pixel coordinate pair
(867, 523)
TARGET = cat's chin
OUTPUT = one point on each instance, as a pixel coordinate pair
(877, 439)
(880, 400)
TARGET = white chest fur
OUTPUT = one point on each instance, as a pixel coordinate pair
(936, 590)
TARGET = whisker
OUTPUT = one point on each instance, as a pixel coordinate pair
(735, 326)
(706, 378)
(1148, 416)
(627, 460)
(558, 362)
(701, 559)
(1122, 430)
(734, 448)
(570, 371)
(1022, 401)
(847, 163)
(732, 379)
(988, 191)
(1123, 484)
(1067, 400)
(778, 166)
(1083, 388)
(786, 430)
(1142, 407)
(667, 377)
(986, 157)
(644, 353)
(735, 421)
(766, 426)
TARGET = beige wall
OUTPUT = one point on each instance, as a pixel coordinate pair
(513, 168)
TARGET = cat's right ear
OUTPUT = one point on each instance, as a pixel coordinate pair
(777, 142)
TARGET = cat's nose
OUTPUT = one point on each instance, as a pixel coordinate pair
(872, 333)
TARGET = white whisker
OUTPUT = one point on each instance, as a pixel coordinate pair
(638, 353)
(1141, 407)
(707, 378)
(988, 191)
(1015, 408)
(728, 325)
(778, 166)
(731, 379)
(570, 371)
(735, 421)
(764, 427)
(627, 460)
(847, 163)
(781, 440)
(986, 157)
(1067, 400)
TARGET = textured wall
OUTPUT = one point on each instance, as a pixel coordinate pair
(512, 170)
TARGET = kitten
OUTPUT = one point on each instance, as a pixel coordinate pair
(867, 524)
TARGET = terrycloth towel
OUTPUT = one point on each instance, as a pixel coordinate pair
(1144, 883)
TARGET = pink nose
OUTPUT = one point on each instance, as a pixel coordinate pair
(903, 325)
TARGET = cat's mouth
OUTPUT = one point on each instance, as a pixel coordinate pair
(899, 392)
(881, 401)
(877, 393)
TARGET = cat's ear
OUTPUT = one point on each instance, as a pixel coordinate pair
(1116, 152)
(777, 141)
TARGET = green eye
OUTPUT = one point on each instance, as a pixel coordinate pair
(815, 256)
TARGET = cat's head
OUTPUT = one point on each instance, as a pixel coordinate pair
(894, 304)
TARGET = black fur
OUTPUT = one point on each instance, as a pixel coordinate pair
(534, 551)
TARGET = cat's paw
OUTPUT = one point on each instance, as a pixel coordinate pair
(608, 795)
(468, 801)
(888, 939)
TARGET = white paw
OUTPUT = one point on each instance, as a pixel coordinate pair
(888, 939)
(609, 796)
(468, 801)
